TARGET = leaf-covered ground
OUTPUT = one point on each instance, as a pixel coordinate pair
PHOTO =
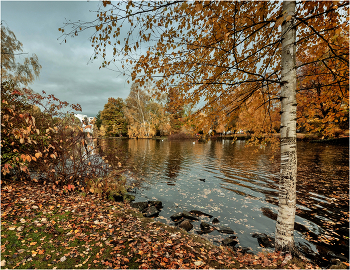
(46, 228)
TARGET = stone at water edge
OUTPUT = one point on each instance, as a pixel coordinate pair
(187, 215)
(205, 228)
(156, 204)
(141, 206)
(264, 240)
(200, 213)
(151, 211)
(186, 225)
(176, 216)
(224, 229)
(215, 221)
(229, 241)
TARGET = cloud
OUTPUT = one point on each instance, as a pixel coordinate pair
(66, 70)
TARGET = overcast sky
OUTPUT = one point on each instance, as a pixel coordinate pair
(65, 71)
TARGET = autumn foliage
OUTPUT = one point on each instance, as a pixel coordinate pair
(42, 143)
(227, 56)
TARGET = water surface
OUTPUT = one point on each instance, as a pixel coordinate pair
(241, 187)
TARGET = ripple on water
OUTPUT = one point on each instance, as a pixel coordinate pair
(241, 186)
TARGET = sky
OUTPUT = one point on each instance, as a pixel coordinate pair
(66, 71)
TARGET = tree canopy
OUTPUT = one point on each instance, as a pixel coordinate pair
(219, 52)
(20, 73)
(113, 118)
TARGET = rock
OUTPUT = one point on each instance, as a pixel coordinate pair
(224, 229)
(176, 217)
(187, 215)
(215, 221)
(246, 250)
(204, 226)
(229, 241)
(141, 206)
(186, 225)
(156, 204)
(202, 179)
(151, 211)
(264, 240)
(178, 221)
(200, 213)
(184, 214)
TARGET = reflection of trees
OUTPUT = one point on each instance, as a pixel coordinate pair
(115, 151)
(174, 160)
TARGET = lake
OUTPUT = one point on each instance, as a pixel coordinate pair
(241, 188)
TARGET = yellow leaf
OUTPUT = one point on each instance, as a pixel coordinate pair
(33, 243)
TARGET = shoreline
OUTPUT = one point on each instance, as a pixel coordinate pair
(344, 140)
(106, 234)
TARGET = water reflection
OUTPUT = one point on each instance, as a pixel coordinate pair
(241, 187)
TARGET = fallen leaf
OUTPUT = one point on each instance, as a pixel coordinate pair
(198, 263)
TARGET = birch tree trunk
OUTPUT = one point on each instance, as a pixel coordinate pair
(287, 188)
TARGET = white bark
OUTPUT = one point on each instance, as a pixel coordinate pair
(287, 194)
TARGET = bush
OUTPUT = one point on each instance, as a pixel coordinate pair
(42, 143)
